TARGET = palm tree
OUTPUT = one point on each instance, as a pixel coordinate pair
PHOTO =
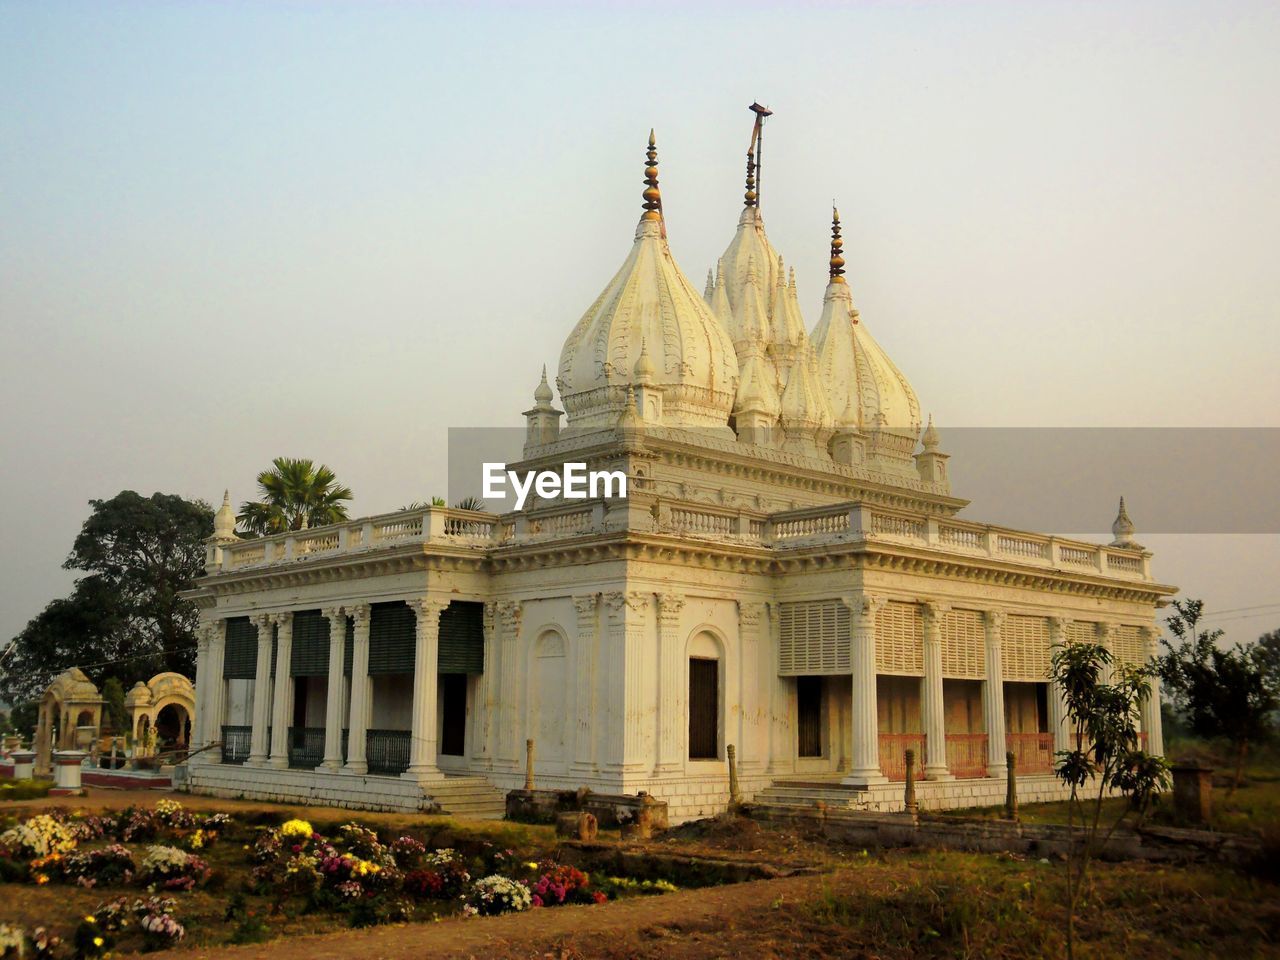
(469, 503)
(295, 494)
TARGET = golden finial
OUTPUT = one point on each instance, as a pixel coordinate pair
(749, 198)
(837, 261)
(652, 196)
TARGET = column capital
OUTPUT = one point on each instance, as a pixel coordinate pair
(1058, 629)
(617, 601)
(995, 619)
(585, 604)
(282, 619)
(864, 604)
(1105, 633)
(359, 612)
(335, 613)
(427, 609)
(1150, 634)
(934, 610)
(669, 606)
(260, 620)
(750, 613)
(510, 612)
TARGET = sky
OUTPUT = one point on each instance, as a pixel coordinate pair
(231, 231)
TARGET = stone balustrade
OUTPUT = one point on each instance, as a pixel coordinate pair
(809, 526)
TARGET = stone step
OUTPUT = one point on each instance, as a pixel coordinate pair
(473, 797)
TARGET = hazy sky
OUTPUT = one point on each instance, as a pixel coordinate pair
(230, 231)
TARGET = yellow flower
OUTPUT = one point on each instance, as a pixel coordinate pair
(531, 865)
(296, 828)
(98, 941)
(90, 918)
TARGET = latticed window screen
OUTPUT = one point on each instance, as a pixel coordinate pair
(1082, 631)
(309, 656)
(813, 638)
(392, 631)
(1025, 648)
(964, 642)
(240, 655)
(349, 649)
(1127, 646)
(900, 639)
(462, 638)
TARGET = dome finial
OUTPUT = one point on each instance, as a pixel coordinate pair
(542, 395)
(930, 438)
(1122, 529)
(749, 198)
(652, 195)
(837, 261)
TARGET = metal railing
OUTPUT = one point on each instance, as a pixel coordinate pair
(235, 744)
(893, 753)
(387, 751)
(967, 755)
(1032, 752)
(306, 747)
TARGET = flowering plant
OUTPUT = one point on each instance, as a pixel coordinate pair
(38, 837)
(12, 941)
(94, 827)
(172, 869)
(408, 851)
(137, 825)
(364, 843)
(557, 884)
(154, 917)
(110, 864)
(497, 894)
(297, 831)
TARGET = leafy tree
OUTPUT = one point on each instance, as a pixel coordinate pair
(1223, 693)
(1105, 755)
(113, 712)
(125, 617)
(295, 494)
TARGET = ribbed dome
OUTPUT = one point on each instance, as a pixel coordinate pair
(651, 306)
(858, 375)
(749, 245)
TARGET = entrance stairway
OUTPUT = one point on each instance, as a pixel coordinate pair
(466, 796)
(789, 794)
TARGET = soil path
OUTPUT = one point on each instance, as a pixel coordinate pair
(688, 921)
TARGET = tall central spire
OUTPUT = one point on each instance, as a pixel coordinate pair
(837, 245)
(652, 195)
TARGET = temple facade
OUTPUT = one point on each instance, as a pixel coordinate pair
(788, 573)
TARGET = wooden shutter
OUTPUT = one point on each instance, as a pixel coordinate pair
(900, 639)
(240, 654)
(1127, 646)
(1025, 648)
(964, 643)
(392, 630)
(462, 638)
(349, 648)
(1081, 631)
(813, 638)
(310, 654)
(704, 709)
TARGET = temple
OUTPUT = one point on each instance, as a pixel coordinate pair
(789, 574)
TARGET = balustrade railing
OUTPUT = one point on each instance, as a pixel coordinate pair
(894, 526)
(1032, 752)
(306, 747)
(387, 751)
(702, 522)
(235, 743)
(893, 754)
(967, 755)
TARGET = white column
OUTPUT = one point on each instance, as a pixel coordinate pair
(510, 613)
(424, 738)
(993, 696)
(200, 722)
(1059, 723)
(672, 711)
(1152, 724)
(626, 735)
(215, 690)
(259, 748)
(1106, 639)
(585, 647)
(282, 701)
(932, 704)
(781, 729)
(333, 692)
(751, 745)
(358, 720)
(865, 768)
(487, 690)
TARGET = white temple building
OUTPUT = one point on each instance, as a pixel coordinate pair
(789, 573)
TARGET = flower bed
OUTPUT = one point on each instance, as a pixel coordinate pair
(146, 878)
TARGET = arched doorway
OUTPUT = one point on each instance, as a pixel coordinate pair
(172, 726)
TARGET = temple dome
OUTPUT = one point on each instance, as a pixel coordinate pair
(649, 307)
(865, 390)
(749, 247)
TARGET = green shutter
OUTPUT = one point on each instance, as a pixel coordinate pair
(275, 649)
(349, 649)
(462, 638)
(240, 655)
(310, 654)
(392, 627)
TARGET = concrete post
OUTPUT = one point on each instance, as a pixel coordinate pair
(909, 785)
(528, 765)
(735, 793)
(1011, 788)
